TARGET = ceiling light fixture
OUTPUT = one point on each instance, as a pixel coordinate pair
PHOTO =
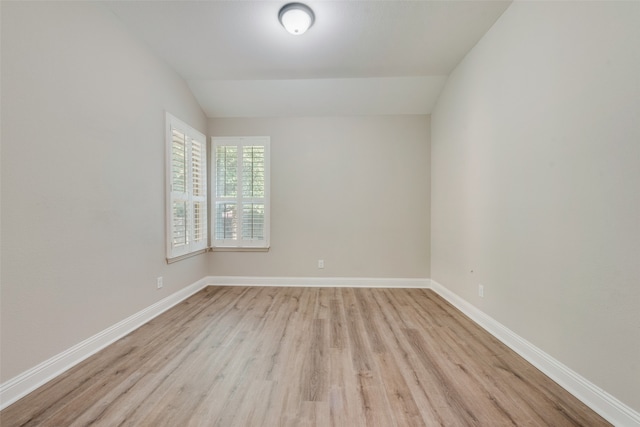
(296, 18)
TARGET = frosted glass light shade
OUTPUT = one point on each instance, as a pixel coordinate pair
(296, 18)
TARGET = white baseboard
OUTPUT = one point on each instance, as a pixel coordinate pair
(593, 396)
(35, 377)
(333, 282)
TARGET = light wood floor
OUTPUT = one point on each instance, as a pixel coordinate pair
(240, 356)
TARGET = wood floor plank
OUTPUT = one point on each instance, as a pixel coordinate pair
(315, 368)
(337, 322)
(369, 315)
(356, 331)
(345, 408)
(431, 401)
(399, 395)
(251, 356)
(321, 309)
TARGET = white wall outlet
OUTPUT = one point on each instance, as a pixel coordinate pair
(481, 291)
(159, 282)
(320, 263)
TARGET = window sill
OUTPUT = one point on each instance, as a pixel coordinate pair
(185, 256)
(236, 249)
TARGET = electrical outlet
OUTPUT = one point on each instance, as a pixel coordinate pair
(320, 263)
(481, 291)
(159, 282)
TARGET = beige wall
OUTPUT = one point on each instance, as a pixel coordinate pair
(353, 191)
(83, 107)
(535, 170)
(535, 177)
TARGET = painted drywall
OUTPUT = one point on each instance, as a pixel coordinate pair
(83, 156)
(535, 184)
(352, 191)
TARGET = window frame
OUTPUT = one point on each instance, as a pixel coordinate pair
(193, 244)
(240, 244)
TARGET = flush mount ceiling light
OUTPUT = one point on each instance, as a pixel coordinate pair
(296, 18)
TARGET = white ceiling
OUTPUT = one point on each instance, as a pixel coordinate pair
(360, 57)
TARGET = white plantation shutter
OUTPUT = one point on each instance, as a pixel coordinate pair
(241, 196)
(179, 195)
(187, 188)
(253, 169)
(199, 192)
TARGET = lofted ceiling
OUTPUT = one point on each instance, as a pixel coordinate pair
(360, 56)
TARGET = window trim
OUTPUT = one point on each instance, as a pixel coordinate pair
(193, 246)
(240, 245)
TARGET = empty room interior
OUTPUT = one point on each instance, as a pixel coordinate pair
(412, 213)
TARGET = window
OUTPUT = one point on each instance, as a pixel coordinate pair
(186, 188)
(240, 192)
